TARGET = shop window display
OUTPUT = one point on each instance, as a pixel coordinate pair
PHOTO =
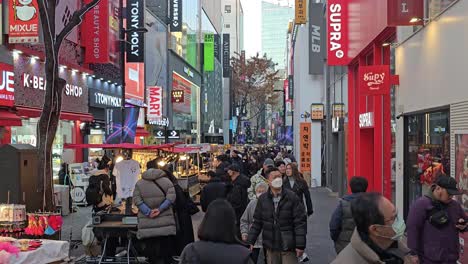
(427, 154)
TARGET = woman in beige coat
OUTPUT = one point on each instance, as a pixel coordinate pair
(154, 195)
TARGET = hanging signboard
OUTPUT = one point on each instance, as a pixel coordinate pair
(155, 105)
(337, 32)
(177, 96)
(317, 111)
(23, 21)
(301, 12)
(208, 53)
(176, 15)
(135, 39)
(226, 56)
(400, 12)
(7, 85)
(338, 110)
(217, 47)
(374, 80)
(316, 38)
(305, 147)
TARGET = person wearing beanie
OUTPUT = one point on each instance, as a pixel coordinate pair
(259, 178)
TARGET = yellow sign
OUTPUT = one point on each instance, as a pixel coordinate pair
(305, 147)
(301, 13)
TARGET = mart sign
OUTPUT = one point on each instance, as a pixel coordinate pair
(155, 106)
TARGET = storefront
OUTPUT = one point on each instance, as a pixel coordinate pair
(8, 118)
(29, 86)
(185, 82)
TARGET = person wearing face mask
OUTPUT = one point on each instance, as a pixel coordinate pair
(378, 232)
(282, 219)
(434, 223)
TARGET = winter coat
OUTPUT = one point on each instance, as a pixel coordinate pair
(185, 227)
(254, 181)
(342, 223)
(221, 172)
(301, 189)
(247, 221)
(237, 195)
(283, 230)
(106, 188)
(146, 191)
(358, 252)
(215, 189)
(206, 252)
(432, 244)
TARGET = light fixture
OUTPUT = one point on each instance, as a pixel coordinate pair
(119, 158)
(418, 19)
(102, 79)
(64, 66)
(75, 70)
(34, 58)
(386, 44)
(183, 157)
(162, 163)
(94, 76)
(17, 51)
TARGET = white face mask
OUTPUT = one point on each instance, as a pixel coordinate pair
(277, 183)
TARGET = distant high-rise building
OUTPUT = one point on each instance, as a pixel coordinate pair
(233, 15)
(275, 19)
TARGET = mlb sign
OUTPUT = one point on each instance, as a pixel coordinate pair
(155, 106)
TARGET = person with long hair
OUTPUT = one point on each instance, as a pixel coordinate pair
(294, 182)
(218, 239)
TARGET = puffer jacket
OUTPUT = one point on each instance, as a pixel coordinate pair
(237, 195)
(247, 221)
(342, 223)
(283, 230)
(146, 191)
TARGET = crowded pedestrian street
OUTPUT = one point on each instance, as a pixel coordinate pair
(233, 132)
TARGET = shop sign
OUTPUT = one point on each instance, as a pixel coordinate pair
(39, 82)
(7, 85)
(188, 71)
(155, 103)
(226, 55)
(338, 110)
(176, 15)
(374, 80)
(286, 89)
(301, 13)
(177, 96)
(291, 86)
(100, 99)
(217, 47)
(317, 38)
(173, 134)
(135, 83)
(135, 40)
(366, 120)
(400, 12)
(337, 32)
(164, 121)
(23, 21)
(336, 124)
(159, 134)
(208, 52)
(317, 111)
(305, 147)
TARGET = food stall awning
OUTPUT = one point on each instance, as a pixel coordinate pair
(118, 146)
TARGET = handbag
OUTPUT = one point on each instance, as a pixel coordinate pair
(172, 206)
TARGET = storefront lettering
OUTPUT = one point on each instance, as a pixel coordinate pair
(188, 71)
(37, 82)
(104, 99)
(374, 79)
(336, 34)
(135, 22)
(366, 120)
(8, 82)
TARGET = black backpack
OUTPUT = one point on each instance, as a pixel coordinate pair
(94, 191)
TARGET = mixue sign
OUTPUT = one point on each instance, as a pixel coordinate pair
(30, 85)
(374, 80)
(135, 40)
(7, 85)
(23, 21)
(337, 32)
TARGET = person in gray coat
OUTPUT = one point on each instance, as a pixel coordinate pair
(154, 195)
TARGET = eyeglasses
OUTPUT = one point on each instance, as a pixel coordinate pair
(392, 219)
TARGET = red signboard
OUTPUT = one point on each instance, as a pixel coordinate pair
(23, 21)
(155, 105)
(7, 85)
(400, 12)
(135, 83)
(337, 32)
(286, 89)
(374, 80)
(177, 96)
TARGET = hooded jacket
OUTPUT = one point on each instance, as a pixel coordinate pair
(342, 223)
(237, 195)
(146, 191)
(215, 189)
(105, 188)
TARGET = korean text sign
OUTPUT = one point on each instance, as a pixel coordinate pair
(305, 147)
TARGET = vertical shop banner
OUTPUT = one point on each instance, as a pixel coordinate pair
(135, 23)
(291, 86)
(317, 112)
(208, 52)
(305, 147)
(338, 110)
(23, 21)
(226, 55)
(286, 89)
(374, 80)
(1, 22)
(176, 15)
(300, 12)
(130, 124)
(400, 12)
(337, 32)
(95, 34)
(217, 47)
(155, 103)
(461, 175)
(135, 83)
(316, 38)
(7, 85)
(113, 125)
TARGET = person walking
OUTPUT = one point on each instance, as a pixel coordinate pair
(218, 239)
(434, 224)
(342, 224)
(281, 217)
(221, 162)
(281, 165)
(294, 182)
(214, 189)
(259, 177)
(237, 193)
(154, 195)
(378, 232)
(247, 221)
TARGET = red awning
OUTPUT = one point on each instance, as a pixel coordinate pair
(116, 146)
(8, 118)
(35, 112)
(141, 132)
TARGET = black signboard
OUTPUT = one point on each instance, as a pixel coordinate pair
(159, 134)
(101, 99)
(176, 15)
(317, 38)
(173, 134)
(135, 36)
(291, 86)
(217, 47)
(226, 56)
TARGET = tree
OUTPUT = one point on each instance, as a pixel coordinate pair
(253, 87)
(50, 116)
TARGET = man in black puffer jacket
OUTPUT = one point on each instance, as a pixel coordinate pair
(282, 218)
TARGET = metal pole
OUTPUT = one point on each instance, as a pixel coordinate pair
(122, 64)
(328, 132)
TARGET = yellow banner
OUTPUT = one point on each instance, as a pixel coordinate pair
(301, 12)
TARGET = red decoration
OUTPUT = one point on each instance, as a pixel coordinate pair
(374, 80)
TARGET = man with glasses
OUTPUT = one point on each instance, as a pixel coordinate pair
(434, 223)
(376, 238)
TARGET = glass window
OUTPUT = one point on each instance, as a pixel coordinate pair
(227, 26)
(437, 6)
(227, 9)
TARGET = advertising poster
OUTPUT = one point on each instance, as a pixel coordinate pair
(181, 84)
(461, 175)
(156, 49)
(7, 85)
(208, 54)
(135, 83)
(113, 125)
(23, 21)
(305, 147)
(301, 12)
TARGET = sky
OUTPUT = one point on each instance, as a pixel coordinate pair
(253, 24)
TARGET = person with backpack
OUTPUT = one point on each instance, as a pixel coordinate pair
(342, 224)
(99, 192)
